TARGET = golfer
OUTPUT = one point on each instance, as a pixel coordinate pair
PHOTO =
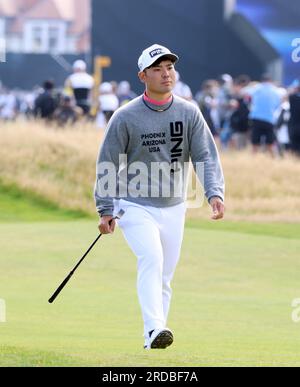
(152, 132)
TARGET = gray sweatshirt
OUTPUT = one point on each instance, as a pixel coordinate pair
(149, 136)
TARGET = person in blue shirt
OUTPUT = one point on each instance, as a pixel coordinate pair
(265, 100)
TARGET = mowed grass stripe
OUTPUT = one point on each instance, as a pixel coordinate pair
(18, 205)
(231, 302)
(26, 206)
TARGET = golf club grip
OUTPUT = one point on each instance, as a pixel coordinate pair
(59, 289)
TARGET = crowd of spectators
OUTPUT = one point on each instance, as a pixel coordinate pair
(240, 112)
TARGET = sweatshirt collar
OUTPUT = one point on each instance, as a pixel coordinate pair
(159, 106)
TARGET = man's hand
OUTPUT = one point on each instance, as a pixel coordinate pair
(218, 208)
(105, 227)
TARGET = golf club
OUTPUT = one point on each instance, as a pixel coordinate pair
(65, 281)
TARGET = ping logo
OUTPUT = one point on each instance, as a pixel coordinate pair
(2, 311)
(156, 52)
(176, 137)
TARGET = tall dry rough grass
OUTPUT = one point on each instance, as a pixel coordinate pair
(59, 164)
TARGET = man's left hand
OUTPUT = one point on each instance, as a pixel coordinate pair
(218, 208)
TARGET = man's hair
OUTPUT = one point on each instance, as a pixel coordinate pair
(158, 62)
(242, 80)
(48, 85)
(266, 77)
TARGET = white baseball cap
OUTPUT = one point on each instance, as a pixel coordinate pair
(154, 52)
(79, 65)
(106, 88)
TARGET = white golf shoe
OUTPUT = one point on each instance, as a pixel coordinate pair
(159, 339)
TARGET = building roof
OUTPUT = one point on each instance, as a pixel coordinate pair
(44, 9)
(12, 8)
(75, 12)
(8, 8)
(82, 17)
(66, 8)
(52, 9)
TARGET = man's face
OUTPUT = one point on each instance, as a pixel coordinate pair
(160, 78)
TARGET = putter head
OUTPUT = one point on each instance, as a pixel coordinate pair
(120, 214)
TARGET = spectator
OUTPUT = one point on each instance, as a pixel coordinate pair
(46, 103)
(8, 106)
(206, 99)
(224, 96)
(239, 120)
(67, 113)
(27, 104)
(282, 131)
(265, 100)
(114, 85)
(124, 93)
(181, 89)
(81, 84)
(225, 108)
(239, 123)
(294, 122)
(108, 103)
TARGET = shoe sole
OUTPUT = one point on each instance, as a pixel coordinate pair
(163, 340)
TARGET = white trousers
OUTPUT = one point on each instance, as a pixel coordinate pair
(155, 236)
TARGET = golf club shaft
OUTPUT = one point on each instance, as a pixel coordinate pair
(65, 281)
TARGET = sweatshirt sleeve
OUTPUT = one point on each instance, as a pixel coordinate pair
(114, 144)
(203, 150)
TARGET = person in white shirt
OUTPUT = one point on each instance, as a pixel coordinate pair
(81, 84)
(108, 103)
(8, 106)
(181, 89)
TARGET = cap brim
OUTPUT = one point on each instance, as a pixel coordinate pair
(172, 57)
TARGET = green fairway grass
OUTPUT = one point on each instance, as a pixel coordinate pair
(232, 292)
(231, 305)
(17, 205)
